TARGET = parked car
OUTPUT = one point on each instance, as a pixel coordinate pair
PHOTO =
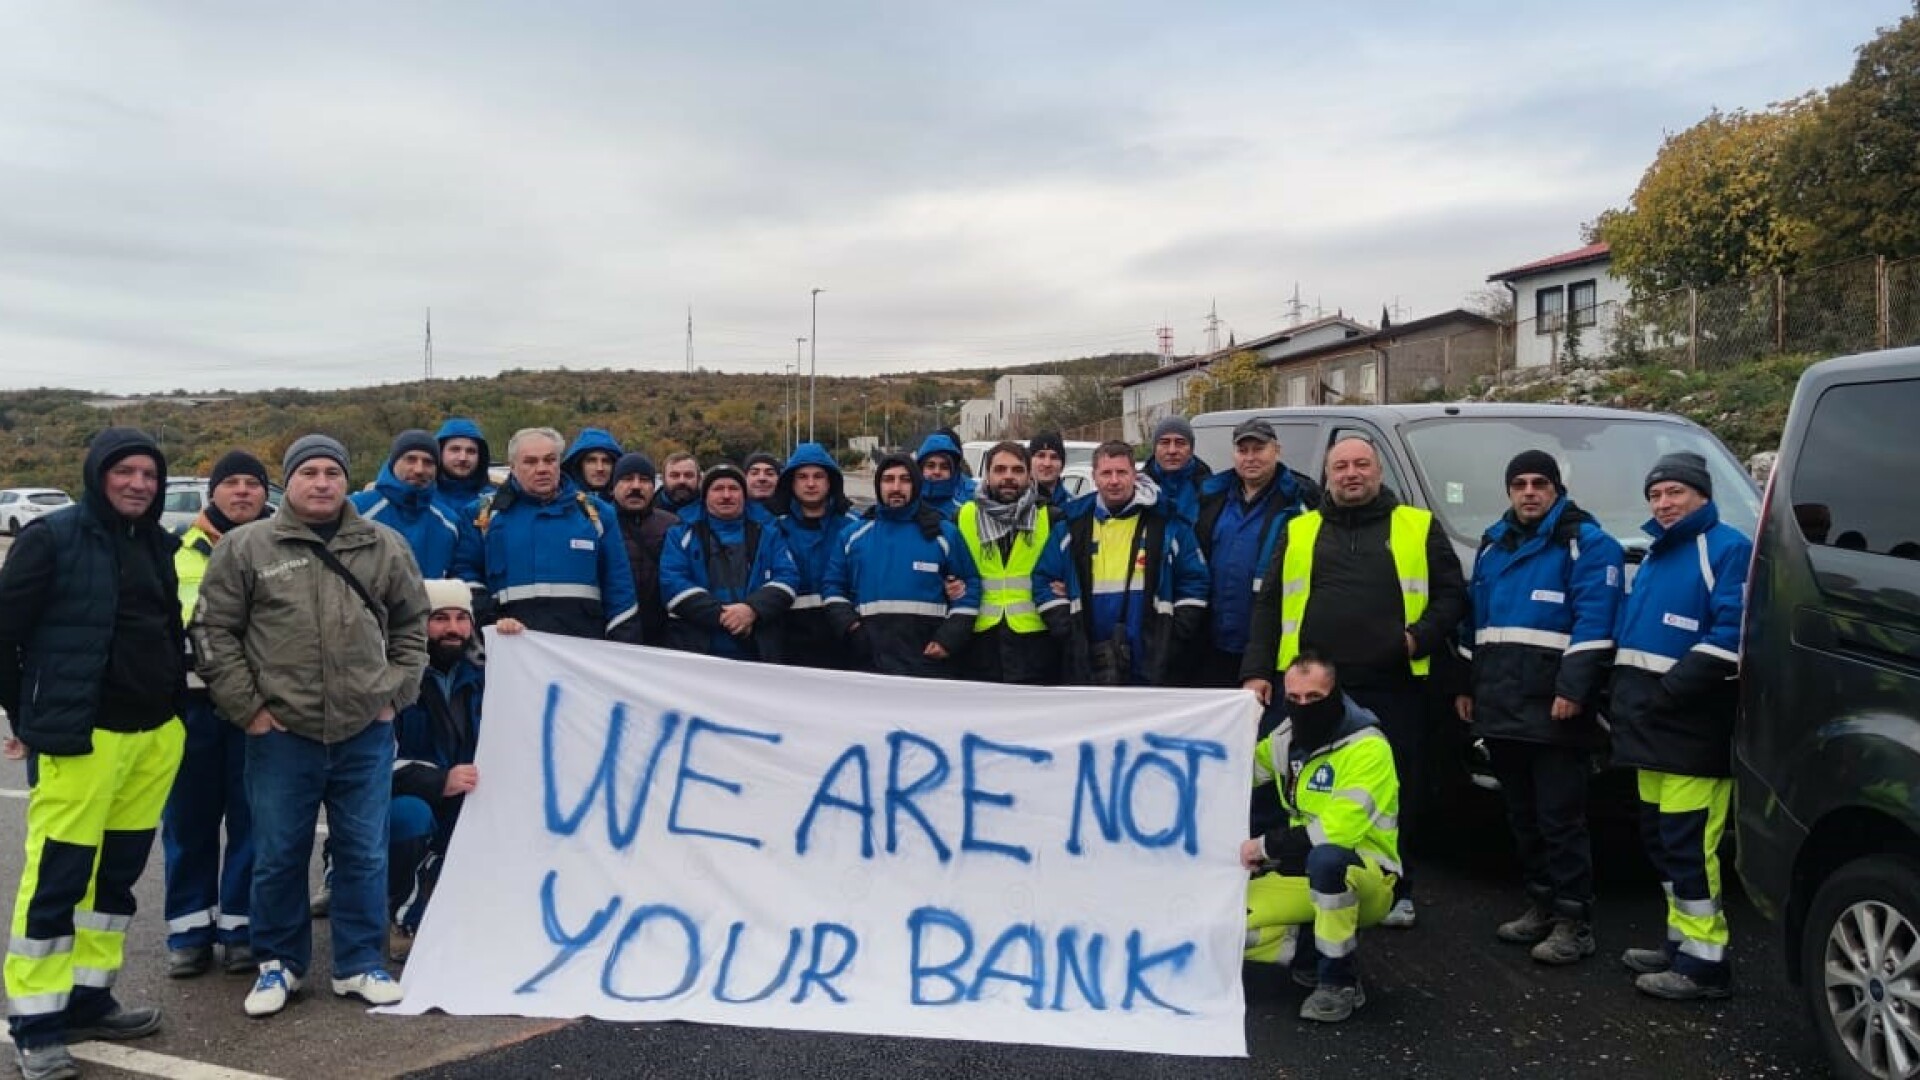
(21, 505)
(1452, 458)
(1079, 452)
(187, 496)
(1827, 747)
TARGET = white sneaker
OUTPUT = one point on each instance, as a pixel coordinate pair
(374, 987)
(1402, 916)
(271, 989)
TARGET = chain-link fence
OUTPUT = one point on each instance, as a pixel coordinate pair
(1855, 306)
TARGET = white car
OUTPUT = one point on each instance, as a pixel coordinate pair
(187, 495)
(21, 505)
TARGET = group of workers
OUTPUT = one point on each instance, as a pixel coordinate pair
(223, 685)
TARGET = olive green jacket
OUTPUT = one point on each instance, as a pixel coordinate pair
(275, 628)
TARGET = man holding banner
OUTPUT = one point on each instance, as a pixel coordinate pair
(1338, 854)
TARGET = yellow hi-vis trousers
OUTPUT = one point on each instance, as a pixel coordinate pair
(1340, 893)
(1682, 820)
(90, 825)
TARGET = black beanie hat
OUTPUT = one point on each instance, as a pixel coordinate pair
(414, 439)
(236, 463)
(1684, 467)
(761, 457)
(1537, 463)
(726, 470)
(1048, 440)
(634, 463)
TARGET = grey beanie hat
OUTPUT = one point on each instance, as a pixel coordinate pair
(307, 447)
(1683, 467)
(1173, 425)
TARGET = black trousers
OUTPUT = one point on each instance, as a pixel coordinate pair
(1403, 715)
(1545, 788)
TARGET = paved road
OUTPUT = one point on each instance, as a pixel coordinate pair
(1445, 1000)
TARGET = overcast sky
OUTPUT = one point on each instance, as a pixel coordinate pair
(247, 195)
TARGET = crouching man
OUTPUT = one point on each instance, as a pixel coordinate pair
(1334, 863)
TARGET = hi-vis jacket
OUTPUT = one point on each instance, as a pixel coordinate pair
(1673, 691)
(560, 566)
(431, 531)
(1544, 606)
(1344, 793)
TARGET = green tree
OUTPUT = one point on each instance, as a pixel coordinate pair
(1238, 382)
(1706, 209)
(1851, 179)
(1083, 397)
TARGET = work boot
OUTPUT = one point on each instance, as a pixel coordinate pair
(1531, 926)
(52, 1062)
(1401, 916)
(121, 1023)
(189, 962)
(1646, 961)
(1569, 941)
(240, 959)
(1673, 986)
(1332, 1004)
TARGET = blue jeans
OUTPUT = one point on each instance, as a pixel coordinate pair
(288, 778)
(207, 897)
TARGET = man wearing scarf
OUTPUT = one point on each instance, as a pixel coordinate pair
(1333, 861)
(207, 895)
(1019, 547)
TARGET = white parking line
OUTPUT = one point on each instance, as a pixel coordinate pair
(147, 1063)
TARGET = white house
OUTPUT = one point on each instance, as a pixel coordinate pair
(976, 419)
(1014, 397)
(1151, 395)
(1547, 292)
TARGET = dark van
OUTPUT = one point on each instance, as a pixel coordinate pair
(1827, 749)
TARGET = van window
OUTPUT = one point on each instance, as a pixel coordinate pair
(1847, 483)
(1389, 468)
(1300, 446)
(1603, 462)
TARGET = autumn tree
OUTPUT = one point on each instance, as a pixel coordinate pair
(1081, 398)
(1852, 177)
(1236, 382)
(1707, 210)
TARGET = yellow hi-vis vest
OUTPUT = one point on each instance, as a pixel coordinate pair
(1406, 538)
(1006, 591)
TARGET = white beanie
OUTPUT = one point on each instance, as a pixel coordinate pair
(448, 593)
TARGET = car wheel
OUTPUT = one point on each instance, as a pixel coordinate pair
(1860, 967)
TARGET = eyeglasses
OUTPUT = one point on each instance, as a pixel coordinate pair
(1530, 483)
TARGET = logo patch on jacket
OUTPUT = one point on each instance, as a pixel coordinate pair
(1550, 596)
(1322, 778)
(1681, 622)
(581, 543)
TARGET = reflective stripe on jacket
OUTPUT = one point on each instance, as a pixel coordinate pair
(1407, 540)
(1006, 588)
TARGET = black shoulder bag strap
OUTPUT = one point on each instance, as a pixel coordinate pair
(334, 564)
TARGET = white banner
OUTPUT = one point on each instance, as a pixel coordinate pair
(660, 836)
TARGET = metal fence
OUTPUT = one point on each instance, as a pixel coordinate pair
(1856, 306)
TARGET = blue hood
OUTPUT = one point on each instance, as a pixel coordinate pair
(464, 491)
(592, 438)
(957, 488)
(398, 492)
(811, 453)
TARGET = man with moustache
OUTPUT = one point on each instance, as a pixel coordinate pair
(92, 673)
(311, 633)
(1375, 587)
(404, 499)
(727, 575)
(643, 528)
(207, 896)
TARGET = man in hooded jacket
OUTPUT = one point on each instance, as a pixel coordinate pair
(814, 514)
(464, 461)
(1176, 470)
(90, 620)
(887, 585)
(405, 500)
(944, 483)
(727, 575)
(590, 460)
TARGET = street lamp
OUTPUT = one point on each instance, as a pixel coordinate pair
(813, 362)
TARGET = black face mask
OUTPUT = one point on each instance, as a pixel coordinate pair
(1314, 723)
